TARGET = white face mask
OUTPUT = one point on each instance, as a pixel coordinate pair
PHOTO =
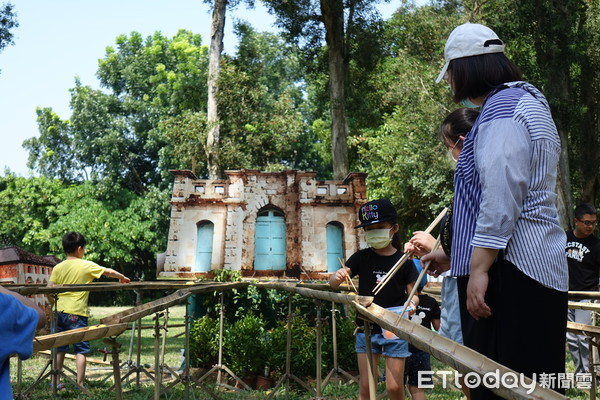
(378, 238)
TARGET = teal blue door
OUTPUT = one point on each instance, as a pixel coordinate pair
(269, 239)
(204, 246)
(335, 246)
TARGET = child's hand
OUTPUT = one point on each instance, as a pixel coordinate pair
(124, 279)
(342, 274)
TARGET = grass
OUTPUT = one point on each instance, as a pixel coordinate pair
(100, 389)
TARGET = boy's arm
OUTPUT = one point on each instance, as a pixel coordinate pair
(116, 274)
(436, 324)
(28, 303)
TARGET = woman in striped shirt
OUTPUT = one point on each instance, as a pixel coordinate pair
(507, 243)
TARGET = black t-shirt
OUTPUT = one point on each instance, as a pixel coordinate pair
(583, 257)
(371, 268)
(427, 310)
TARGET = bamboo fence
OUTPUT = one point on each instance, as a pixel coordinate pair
(453, 354)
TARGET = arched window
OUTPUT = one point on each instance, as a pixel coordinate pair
(270, 241)
(334, 232)
(204, 246)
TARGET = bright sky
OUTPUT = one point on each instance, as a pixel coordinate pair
(61, 39)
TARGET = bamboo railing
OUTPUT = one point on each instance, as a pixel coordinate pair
(455, 355)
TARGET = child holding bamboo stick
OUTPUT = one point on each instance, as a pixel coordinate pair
(428, 315)
(452, 133)
(379, 220)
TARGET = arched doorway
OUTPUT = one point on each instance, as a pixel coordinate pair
(204, 246)
(269, 241)
(335, 245)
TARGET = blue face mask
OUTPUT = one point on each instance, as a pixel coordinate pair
(468, 103)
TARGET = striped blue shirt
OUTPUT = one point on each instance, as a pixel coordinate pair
(504, 187)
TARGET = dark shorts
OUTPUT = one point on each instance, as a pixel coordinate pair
(418, 361)
(67, 322)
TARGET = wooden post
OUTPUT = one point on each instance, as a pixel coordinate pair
(116, 364)
(157, 369)
(138, 360)
(288, 348)
(319, 331)
(220, 359)
(186, 369)
(370, 367)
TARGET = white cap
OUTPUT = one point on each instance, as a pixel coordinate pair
(469, 40)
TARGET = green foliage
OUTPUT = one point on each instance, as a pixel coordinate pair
(346, 352)
(204, 342)
(302, 349)
(27, 208)
(8, 21)
(244, 345)
(114, 135)
(403, 156)
(227, 275)
(123, 231)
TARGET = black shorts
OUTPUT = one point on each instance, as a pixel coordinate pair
(418, 361)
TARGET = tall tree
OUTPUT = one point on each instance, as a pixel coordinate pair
(402, 154)
(217, 31)
(311, 22)
(114, 134)
(8, 21)
(555, 45)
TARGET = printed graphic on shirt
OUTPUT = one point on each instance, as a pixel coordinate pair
(418, 317)
(576, 251)
(379, 275)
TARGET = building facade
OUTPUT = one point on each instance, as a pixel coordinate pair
(20, 267)
(262, 223)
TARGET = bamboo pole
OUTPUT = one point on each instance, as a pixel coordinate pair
(319, 329)
(157, 369)
(420, 278)
(116, 365)
(317, 294)
(371, 368)
(47, 342)
(407, 255)
(457, 356)
(350, 283)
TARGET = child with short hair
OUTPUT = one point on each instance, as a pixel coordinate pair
(72, 307)
(428, 315)
(379, 220)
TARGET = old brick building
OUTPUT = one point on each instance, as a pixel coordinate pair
(21, 267)
(262, 223)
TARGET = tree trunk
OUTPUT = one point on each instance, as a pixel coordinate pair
(563, 185)
(217, 31)
(590, 128)
(332, 12)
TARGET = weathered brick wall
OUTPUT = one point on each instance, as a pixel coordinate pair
(233, 204)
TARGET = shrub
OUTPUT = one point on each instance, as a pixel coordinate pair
(244, 346)
(204, 342)
(303, 347)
